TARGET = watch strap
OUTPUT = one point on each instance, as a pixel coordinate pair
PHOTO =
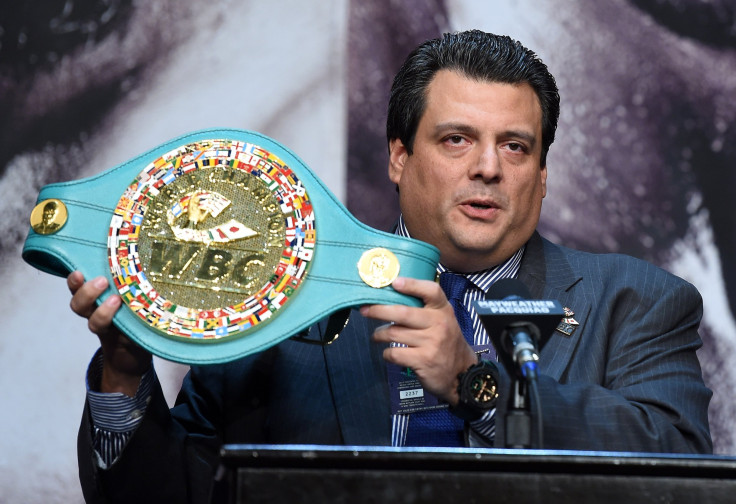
(467, 407)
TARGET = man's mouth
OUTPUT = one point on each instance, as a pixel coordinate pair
(480, 205)
(479, 209)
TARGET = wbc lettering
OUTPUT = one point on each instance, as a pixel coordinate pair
(173, 262)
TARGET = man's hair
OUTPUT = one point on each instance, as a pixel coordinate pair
(477, 55)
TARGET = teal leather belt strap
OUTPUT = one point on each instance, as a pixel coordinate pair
(221, 243)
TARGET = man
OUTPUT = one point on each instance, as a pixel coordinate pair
(471, 118)
(48, 222)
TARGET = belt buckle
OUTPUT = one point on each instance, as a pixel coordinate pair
(186, 261)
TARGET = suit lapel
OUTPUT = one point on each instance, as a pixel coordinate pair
(547, 273)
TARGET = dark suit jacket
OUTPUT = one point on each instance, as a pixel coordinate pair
(627, 379)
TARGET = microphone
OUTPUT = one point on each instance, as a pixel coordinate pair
(518, 326)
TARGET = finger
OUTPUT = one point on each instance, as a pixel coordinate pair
(405, 323)
(401, 356)
(382, 334)
(412, 317)
(83, 300)
(388, 313)
(74, 281)
(100, 321)
(396, 333)
(428, 291)
(420, 359)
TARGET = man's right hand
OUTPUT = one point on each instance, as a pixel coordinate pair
(124, 361)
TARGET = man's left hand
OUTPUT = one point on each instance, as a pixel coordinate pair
(435, 348)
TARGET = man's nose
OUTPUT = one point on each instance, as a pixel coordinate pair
(487, 166)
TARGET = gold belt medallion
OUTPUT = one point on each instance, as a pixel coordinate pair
(211, 239)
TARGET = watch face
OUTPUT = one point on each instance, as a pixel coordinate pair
(483, 389)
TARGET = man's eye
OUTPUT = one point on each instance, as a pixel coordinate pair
(455, 139)
(516, 147)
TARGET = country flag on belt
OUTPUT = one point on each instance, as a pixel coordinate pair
(212, 323)
(264, 314)
(129, 271)
(247, 158)
(177, 209)
(213, 202)
(231, 230)
(169, 177)
(280, 300)
(305, 254)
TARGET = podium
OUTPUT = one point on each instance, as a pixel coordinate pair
(325, 474)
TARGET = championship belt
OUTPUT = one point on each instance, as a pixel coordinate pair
(221, 243)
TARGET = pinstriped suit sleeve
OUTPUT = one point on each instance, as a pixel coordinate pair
(633, 381)
(280, 395)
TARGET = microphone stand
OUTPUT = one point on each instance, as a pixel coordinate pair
(518, 418)
(524, 398)
(524, 391)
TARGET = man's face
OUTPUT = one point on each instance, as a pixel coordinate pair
(473, 186)
(49, 212)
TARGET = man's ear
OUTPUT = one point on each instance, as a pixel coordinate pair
(397, 155)
(543, 179)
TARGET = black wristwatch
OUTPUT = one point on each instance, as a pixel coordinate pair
(477, 389)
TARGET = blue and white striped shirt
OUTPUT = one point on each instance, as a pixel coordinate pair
(481, 281)
(115, 416)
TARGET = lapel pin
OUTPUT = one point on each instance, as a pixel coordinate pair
(568, 324)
